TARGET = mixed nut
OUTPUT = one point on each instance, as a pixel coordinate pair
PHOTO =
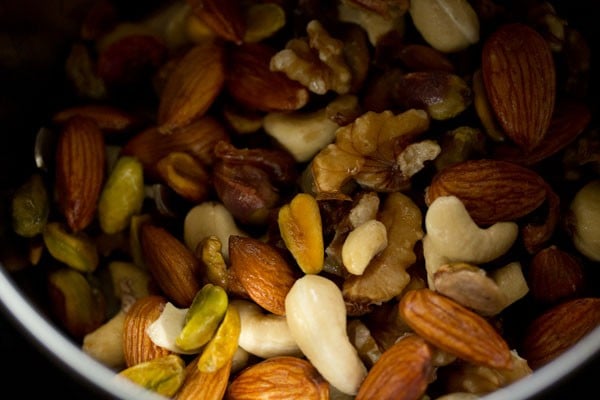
(383, 199)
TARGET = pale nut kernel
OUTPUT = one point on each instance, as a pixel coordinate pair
(447, 25)
(362, 244)
(456, 236)
(316, 315)
(583, 218)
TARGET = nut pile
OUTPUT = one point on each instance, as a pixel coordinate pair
(383, 199)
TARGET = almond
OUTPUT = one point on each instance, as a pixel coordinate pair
(282, 377)
(555, 275)
(520, 81)
(251, 82)
(558, 329)
(174, 267)
(262, 271)
(108, 118)
(203, 385)
(192, 86)
(402, 372)
(224, 17)
(491, 190)
(137, 345)
(80, 170)
(454, 328)
(570, 118)
(197, 138)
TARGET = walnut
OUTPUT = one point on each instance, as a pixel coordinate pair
(317, 62)
(378, 151)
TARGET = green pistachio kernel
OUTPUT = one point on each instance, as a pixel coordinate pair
(221, 348)
(122, 195)
(30, 207)
(163, 375)
(77, 250)
(203, 317)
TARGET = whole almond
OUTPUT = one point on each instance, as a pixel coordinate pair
(137, 345)
(80, 170)
(251, 82)
(192, 86)
(491, 190)
(174, 267)
(558, 329)
(282, 377)
(454, 328)
(401, 373)
(520, 81)
(224, 17)
(203, 385)
(265, 275)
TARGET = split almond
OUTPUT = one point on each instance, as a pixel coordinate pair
(520, 80)
(402, 372)
(262, 271)
(80, 164)
(192, 86)
(558, 329)
(282, 377)
(454, 328)
(137, 345)
(174, 267)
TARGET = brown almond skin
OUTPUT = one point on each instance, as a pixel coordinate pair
(558, 329)
(174, 267)
(224, 17)
(402, 372)
(192, 86)
(203, 385)
(262, 271)
(80, 171)
(251, 82)
(137, 345)
(520, 81)
(454, 328)
(491, 190)
(283, 377)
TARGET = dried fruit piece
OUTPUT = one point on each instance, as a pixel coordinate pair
(203, 317)
(163, 375)
(122, 195)
(454, 329)
(80, 163)
(300, 227)
(403, 371)
(279, 377)
(520, 81)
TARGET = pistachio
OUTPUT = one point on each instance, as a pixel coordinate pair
(263, 20)
(77, 250)
(163, 375)
(30, 207)
(203, 317)
(300, 227)
(122, 195)
(219, 351)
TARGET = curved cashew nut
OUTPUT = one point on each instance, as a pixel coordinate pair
(316, 315)
(362, 244)
(456, 236)
(264, 335)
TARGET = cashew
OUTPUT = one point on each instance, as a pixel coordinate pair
(164, 331)
(376, 25)
(302, 134)
(584, 220)
(456, 236)
(433, 260)
(362, 244)
(206, 219)
(264, 335)
(105, 344)
(511, 281)
(316, 316)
